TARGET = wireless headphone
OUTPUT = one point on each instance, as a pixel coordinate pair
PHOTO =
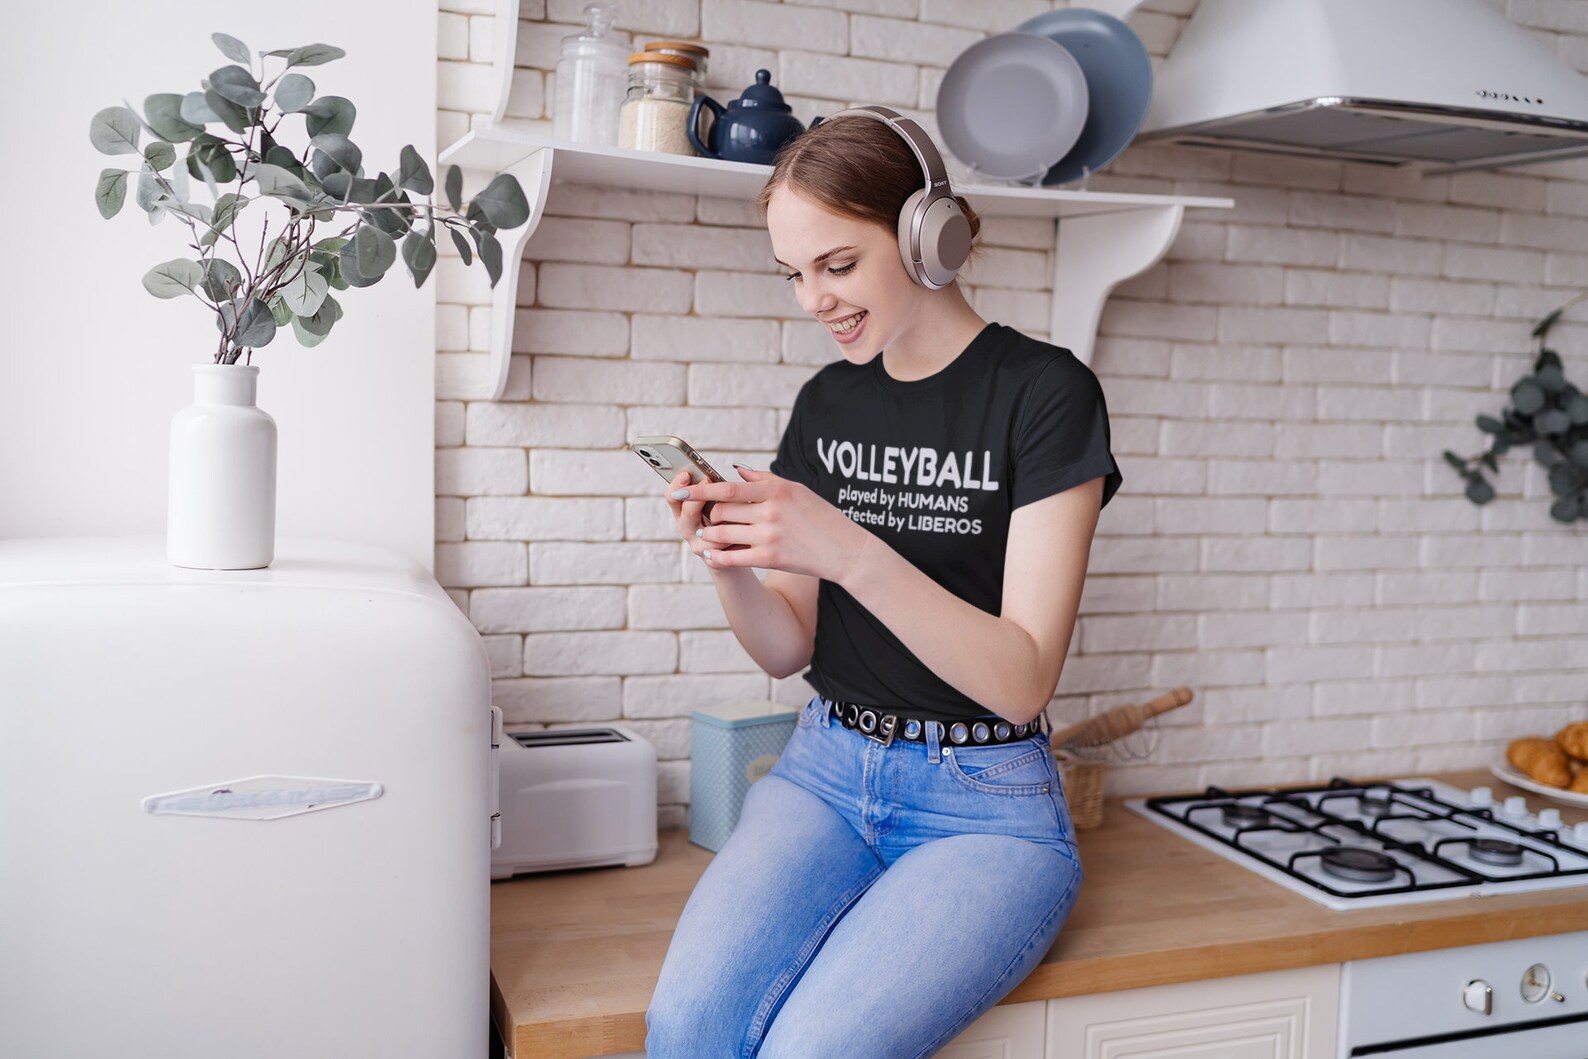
(934, 234)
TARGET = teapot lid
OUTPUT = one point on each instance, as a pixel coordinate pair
(762, 94)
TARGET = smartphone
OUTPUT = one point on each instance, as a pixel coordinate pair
(668, 455)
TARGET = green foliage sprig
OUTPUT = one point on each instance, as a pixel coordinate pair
(290, 276)
(1548, 413)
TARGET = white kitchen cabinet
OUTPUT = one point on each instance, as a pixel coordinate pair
(1010, 1031)
(1103, 238)
(1281, 1015)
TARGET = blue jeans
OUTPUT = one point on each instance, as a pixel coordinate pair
(871, 901)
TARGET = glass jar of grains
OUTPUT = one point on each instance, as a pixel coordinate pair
(655, 116)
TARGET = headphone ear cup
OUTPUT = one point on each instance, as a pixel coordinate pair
(945, 240)
(906, 216)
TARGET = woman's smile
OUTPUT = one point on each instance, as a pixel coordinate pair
(847, 329)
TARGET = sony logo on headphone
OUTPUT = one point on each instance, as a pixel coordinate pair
(939, 184)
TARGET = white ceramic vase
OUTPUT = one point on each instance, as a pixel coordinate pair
(222, 509)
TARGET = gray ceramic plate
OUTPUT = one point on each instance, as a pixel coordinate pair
(1012, 105)
(1118, 76)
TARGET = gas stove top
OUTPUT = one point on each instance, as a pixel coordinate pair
(1354, 845)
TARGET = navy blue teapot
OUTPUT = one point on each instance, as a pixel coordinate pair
(752, 128)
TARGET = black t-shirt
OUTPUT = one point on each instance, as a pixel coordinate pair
(934, 467)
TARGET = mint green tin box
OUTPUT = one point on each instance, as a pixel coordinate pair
(731, 747)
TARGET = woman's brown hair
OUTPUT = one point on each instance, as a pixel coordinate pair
(855, 167)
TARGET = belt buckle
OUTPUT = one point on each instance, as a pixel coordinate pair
(887, 726)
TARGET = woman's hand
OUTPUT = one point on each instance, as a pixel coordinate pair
(771, 523)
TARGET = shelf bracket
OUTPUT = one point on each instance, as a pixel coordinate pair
(533, 172)
(1095, 253)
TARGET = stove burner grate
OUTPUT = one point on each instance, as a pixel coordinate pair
(1358, 864)
(1376, 804)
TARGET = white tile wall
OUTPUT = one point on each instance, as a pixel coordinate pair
(1288, 543)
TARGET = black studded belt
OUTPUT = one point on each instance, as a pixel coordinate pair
(886, 727)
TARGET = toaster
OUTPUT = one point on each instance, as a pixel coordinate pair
(574, 798)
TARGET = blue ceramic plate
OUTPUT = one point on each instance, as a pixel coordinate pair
(1012, 105)
(1118, 80)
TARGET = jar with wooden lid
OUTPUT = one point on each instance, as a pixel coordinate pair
(655, 116)
(692, 50)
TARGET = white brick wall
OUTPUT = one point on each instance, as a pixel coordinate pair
(1288, 543)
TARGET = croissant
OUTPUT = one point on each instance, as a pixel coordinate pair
(1580, 784)
(1541, 759)
(1574, 739)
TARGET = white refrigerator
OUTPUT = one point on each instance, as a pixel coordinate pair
(242, 814)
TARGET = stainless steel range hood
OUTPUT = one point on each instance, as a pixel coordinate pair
(1438, 85)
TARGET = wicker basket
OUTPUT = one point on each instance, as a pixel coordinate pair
(1083, 787)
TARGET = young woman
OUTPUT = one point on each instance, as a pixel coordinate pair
(925, 531)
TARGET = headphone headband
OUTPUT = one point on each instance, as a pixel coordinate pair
(920, 143)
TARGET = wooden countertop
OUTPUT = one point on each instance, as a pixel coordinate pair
(575, 954)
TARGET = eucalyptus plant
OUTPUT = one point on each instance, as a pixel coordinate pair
(286, 279)
(1548, 413)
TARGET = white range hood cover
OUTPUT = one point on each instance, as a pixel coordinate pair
(1441, 85)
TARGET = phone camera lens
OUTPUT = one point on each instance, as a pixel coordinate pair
(650, 457)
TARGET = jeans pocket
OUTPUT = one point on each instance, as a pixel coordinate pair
(811, 713)
(1012, 769)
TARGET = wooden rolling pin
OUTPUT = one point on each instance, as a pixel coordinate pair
(1119, 721)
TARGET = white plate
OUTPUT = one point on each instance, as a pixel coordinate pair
(1012, 105)
(1504, 771)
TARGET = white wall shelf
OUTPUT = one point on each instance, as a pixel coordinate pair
(1103, 237)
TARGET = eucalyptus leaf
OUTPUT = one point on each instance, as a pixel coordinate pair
(347, 268)
(230, 114)
(413, 173)
(338, 149)
(231, 47)
(468, 259)
(1542, 327)
(149, 192)
(210, 161)
(1579, 453)
(1550, 379)
(1564, 510)
(164, 111)
(279, 311)
(256, 327)
(1552, 421)
(172, 279)
(311, 330)
(1577, 410)
(114, 130)
(1479, 491)
(111, 192)
(503, 202)
(221, 281)
(1527, 396)
(490, 254)
(279, 183)
(454, 188)
(329, 114)
(310, 55)
(293, 93)
(194, 210)
(337, 185)
(1547, 358)
(237, 84)
(305, 294)
(1546, 453)
(374, 249)
(1490, 425)
(160, 156)
(195, 109)
(419, 253)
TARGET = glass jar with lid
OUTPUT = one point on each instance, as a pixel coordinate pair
(592, 79)
(693, 50)
(655, 115)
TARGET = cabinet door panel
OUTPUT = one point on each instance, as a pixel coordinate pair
(1283, 1015)
(1011, 1031)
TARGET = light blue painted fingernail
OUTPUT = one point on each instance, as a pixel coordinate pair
(708, 553)
(680, 494)
(700, 533)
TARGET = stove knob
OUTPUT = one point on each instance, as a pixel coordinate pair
(1481, 797)
(1515, 805)
(1478, 997)
(1549, 819)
